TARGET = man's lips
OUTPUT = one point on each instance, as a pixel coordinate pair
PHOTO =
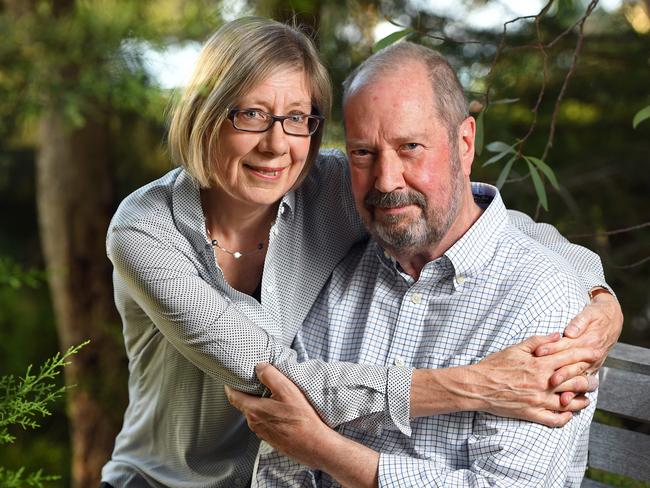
(395, 210)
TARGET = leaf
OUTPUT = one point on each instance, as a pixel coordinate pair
(390, 39)
(539, 185)
(499, 146)
(505, 172)
(503, 101)
(478, 142)
(640, 116)
(546, 169)
(494, 159)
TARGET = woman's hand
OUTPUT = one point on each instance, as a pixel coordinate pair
(597, 327)
(516, 383)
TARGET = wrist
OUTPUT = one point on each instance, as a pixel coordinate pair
(444, 390)
(599, 291)
(350, 463)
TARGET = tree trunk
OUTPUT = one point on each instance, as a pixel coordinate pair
(74, 197)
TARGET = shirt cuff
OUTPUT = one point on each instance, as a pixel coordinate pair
(398, 393)
(592, 280)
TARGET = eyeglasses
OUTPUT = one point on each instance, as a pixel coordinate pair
(251, 120)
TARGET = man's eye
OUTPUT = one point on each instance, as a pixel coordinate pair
(360, 152)
(411, 146)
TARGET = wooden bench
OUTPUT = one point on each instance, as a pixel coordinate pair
(625, 393)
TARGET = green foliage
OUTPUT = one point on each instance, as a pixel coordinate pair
(23, 401)
(535, 165)
(13, 275)
(17, 478)
(641, 115)
(391, 38)
(90, 58)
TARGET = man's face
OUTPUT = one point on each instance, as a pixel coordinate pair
(406, 174)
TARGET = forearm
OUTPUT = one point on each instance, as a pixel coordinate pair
(352, 464)
(441, 391)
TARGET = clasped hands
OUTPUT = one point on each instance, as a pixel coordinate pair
(542, 379)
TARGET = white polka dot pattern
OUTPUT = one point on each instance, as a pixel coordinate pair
(187, 332)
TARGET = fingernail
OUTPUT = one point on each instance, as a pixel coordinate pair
(260, 367)
(228, 391)
(572, 329)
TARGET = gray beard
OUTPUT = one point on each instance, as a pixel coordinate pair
(398, 233)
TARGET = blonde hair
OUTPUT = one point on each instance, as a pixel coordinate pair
(236, 58)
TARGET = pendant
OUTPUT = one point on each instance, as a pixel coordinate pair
(236, 255)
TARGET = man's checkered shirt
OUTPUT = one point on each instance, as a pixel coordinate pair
(493, 288)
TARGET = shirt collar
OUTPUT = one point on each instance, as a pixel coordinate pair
(472, 252)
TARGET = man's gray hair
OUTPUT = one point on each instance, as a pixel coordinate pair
(448, 95)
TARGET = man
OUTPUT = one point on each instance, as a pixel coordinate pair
(445, 281)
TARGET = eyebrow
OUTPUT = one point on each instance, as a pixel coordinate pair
(397, 139)
(296, 104)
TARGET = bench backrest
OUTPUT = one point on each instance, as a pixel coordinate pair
(624, 394)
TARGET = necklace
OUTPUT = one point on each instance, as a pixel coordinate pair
(234, 254)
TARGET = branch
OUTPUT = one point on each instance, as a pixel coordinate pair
(611, 232)
(574, 62)
(629, 266)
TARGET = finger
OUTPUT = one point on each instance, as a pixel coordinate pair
(570, 356)
(281, 387)
(534, 342)
(553, 347)
(566, 397)
(567, 372)
(579, 323)
(579, 384)
(241, 401)
(551, 418)
(576, 404)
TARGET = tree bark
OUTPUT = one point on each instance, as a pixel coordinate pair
(75, 197)
(75, 201)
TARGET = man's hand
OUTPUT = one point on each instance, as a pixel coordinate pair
(289, 423)
(597, 327)
(515, 383)
(287, 420)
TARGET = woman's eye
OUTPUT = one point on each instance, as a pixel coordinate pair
(252, 114)
(297, 118)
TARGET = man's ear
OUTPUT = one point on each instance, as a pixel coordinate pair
(466, 134)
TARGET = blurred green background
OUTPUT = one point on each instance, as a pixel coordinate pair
(83, 90)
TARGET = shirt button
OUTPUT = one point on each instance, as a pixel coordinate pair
(282, 210)
(416, 298)
(274, 231)
(270, 289)
(399, 361)
(460, 279)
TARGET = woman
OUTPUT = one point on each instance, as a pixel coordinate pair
(252, 215)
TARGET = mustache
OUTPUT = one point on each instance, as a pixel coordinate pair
(378, 199)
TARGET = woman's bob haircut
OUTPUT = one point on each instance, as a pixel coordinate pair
(239, 56)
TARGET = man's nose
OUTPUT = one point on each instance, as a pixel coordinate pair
(389, 172)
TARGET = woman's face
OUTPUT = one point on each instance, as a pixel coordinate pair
(258, 168)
